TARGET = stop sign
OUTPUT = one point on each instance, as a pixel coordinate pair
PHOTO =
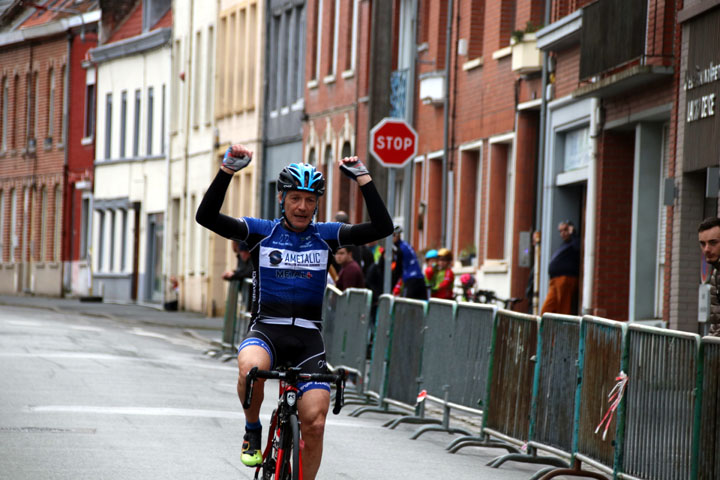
(393, 142)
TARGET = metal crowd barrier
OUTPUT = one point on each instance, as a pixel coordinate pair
(507, 415)
(456, 355)
(352, 324)
(331, 332)
(552, 410)
(600, 361)
(437, 355)
(708, 435)
(376, 386)
(660, 404)
(406, 340)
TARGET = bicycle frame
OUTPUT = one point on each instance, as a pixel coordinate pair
(284, 435)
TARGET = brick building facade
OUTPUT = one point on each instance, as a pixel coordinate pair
(42, 152)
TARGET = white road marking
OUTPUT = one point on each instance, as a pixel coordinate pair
(184, 362)
(172, 412)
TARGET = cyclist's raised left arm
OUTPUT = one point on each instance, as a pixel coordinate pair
(380, 225)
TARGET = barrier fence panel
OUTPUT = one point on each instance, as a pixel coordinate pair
(333, 302)
(659, 405)
(472, 343)
(708, 445)
(438, 358)
(511, 379)
(600, 362)
(406, 341)
(556, 371)
(355, 321)
(381, 342)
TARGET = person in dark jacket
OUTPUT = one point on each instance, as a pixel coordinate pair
(564, 270)
(709, 239)
(351, 275)
(244, 266)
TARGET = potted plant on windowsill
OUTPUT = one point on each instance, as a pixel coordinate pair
(467, 255)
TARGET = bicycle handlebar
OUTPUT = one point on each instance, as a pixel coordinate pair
(293, 377)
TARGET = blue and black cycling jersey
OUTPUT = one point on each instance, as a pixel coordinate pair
(290, 268)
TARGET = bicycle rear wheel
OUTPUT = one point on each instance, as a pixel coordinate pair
(288, 467)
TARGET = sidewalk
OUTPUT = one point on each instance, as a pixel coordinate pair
(192, 323)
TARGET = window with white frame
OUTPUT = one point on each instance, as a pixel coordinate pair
(123, 123)
(318, 38)
(51, 103)
(111, 240)
(197, 81)
(150, 120)
(351, 40)
(101, 241)
(136, 124)
(577, 149)
(13, 224)
(84, 225)
(123, 238)
(63, 99)
(209, 87)
(57, 237)
(4, 117)
(108, 126)
(89, 130)
(43, 223)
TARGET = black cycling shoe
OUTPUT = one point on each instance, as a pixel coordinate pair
(251, 448)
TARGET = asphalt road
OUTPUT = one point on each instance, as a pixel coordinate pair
(94, 398)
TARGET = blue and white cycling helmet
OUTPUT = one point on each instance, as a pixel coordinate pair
(302, 177)
(431, 254)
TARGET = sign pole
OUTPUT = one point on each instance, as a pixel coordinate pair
(387, 277)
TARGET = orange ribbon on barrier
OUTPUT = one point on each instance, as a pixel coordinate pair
(614, 398)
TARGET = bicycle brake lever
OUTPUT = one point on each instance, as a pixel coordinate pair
(249, 382)
(340, 394)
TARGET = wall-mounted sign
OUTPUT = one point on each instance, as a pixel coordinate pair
(701, 91)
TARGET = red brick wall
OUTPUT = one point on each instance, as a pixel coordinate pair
(43, 168)
(523, 209)
(614, 221)
(337, 100)
(567, 71)
(80, 157)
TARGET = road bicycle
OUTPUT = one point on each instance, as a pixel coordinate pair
(282, 458)
(469, 294)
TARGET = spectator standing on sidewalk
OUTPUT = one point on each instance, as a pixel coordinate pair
(709, 238)
(244, 266)
(442, 276)
(411, 282)
(351, 275)
(243, 269)
(564, 270)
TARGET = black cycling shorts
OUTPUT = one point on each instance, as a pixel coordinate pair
(291, 346)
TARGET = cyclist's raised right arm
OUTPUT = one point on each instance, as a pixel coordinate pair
(208, 213)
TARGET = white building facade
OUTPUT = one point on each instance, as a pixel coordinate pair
(130, 191)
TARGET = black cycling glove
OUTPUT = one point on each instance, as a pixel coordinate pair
(235, 163)
(354, 169)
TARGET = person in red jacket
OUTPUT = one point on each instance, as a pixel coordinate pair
(443, 277)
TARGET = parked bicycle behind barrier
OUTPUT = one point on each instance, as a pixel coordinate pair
(469, 294)
(282, 458)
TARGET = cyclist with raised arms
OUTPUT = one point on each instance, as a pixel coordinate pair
(290, 258)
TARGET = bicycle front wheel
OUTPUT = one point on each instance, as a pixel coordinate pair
(289, 467)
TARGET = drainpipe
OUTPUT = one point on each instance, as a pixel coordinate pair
(590, 205)
(446, 121)
(540, 171)
(186, 148)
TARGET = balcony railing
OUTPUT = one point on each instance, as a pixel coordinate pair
(613, 33)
